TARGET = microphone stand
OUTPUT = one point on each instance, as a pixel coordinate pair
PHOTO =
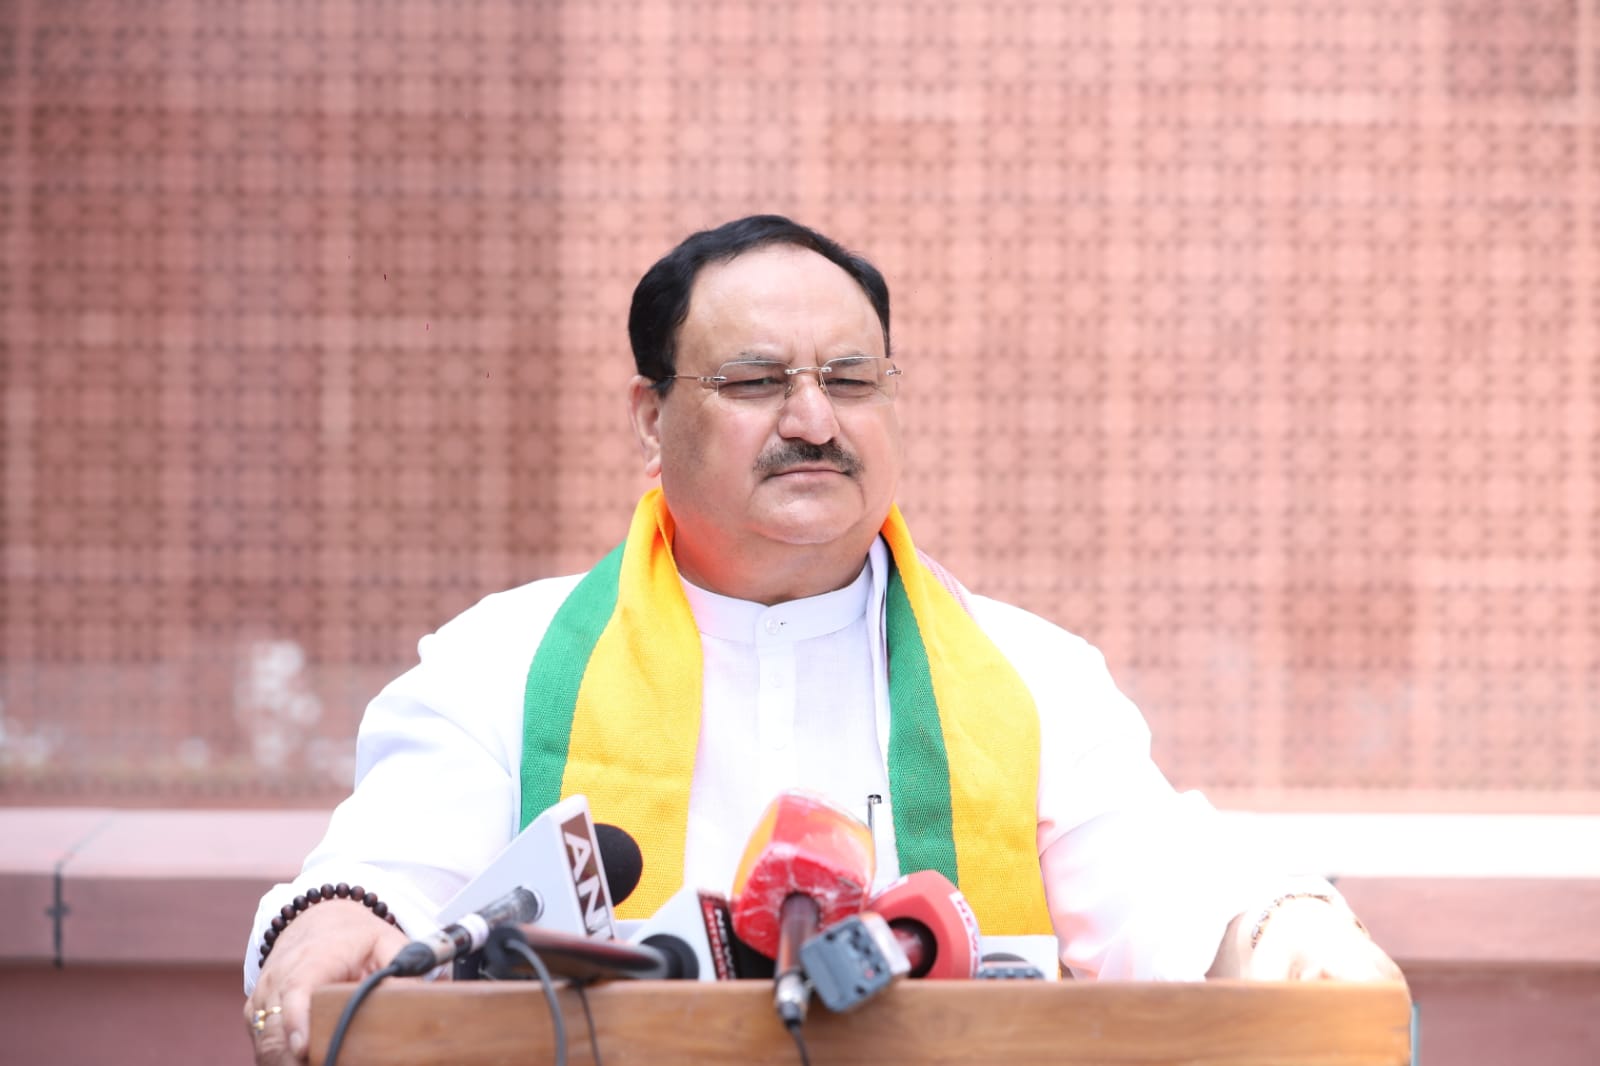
(797, 923)
(579, 957)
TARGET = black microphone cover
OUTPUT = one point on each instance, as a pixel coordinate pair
(493, 959)
(679, 956)
(621, 859)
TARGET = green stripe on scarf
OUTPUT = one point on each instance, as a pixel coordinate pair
(919, 768)
(553, 682)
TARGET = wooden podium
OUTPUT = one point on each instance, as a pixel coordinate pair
(1017, 1023)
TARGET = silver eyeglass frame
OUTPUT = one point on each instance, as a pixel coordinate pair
(714, 382)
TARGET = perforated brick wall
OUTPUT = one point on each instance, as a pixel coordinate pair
(1256, 342)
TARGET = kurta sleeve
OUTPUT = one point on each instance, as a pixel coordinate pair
(1141, 880)
(438, 755)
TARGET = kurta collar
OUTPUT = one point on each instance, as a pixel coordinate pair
(744, 621)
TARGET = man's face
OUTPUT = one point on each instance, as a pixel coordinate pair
(749, 475)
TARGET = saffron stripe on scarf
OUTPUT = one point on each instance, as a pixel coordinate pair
(636, 728)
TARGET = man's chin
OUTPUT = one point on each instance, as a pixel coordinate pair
(809, 522)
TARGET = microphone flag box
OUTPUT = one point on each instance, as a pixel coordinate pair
(701, 921)
(557, 857)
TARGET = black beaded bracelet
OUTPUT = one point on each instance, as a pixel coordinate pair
(291, 911)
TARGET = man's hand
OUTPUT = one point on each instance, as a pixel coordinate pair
(335, 940)
(1304, 938)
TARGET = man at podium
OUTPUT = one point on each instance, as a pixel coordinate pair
(767, 622)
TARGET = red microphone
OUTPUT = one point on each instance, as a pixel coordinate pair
(934, 925)
(920, 926)
(808, 863)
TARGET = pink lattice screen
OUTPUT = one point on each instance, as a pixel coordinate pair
(1254, 341)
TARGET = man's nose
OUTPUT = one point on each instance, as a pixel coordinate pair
(807, 412)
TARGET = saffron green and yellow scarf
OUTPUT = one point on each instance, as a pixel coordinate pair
(612, 711)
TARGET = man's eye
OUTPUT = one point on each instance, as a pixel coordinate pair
(852, 377)
(753, 386)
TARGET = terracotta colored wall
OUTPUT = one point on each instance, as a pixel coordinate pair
(1254, 341)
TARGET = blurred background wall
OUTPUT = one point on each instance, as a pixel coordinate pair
(1254, 341)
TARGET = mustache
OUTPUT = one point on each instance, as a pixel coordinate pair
(803, 453)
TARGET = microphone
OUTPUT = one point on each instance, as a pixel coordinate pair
(576, 954)
(467, 935)
(807, 864)
(853, 960)
(1004, 966)
(1035, 955)
(577, 957)
(620, 858)
(558, 858)
(933, 923)
(919, 926)
(696, 926)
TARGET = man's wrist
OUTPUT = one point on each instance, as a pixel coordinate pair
(324, 894)
(1263, 916)
(1313, 900)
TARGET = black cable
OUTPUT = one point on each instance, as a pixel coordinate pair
(356, 998)
(799, 1041)
(558, 1023)
(594, 1041)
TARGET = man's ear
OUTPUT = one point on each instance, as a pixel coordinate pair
(644, 409)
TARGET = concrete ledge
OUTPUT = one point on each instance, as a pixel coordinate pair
(142, 886)
(180, 887)
(1468, 922)
(38, 843)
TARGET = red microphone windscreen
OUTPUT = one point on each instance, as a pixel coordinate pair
(804, 845)
(926, 905)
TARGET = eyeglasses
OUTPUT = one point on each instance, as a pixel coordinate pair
(859, 379)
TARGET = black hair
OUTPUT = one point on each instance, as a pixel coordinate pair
(661, 299)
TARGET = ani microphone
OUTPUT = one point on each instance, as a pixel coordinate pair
(808, 864)
(562, 858)
(468, 935)
(577, 955)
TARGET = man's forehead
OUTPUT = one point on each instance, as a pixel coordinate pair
(782, 287)
(772, 264)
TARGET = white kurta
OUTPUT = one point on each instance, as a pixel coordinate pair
(1140, 880)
